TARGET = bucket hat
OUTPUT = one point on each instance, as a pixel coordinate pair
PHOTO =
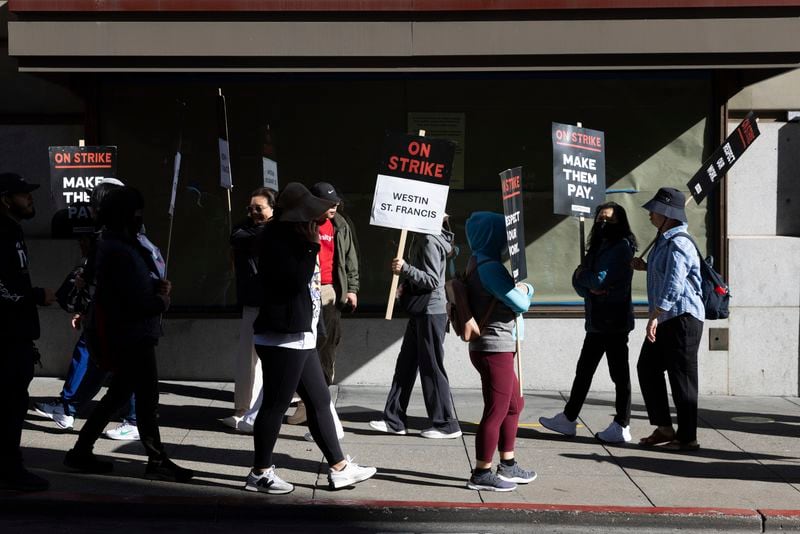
(297, 204)
(668, 202)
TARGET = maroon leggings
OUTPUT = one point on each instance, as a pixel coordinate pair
(502, 403)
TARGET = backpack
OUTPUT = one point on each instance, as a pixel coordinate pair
(716, 294)
(459, 312)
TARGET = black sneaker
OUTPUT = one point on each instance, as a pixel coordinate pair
(167, 470)
(20, 479)
(87, 462)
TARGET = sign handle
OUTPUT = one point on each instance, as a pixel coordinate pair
(582, 232)
(396, 277)
(519, 358)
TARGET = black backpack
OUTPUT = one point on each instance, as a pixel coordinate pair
(716, 294)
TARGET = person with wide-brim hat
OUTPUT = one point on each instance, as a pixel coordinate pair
(674, 326)
(286, 339)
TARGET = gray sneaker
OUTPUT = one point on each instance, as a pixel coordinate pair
(267, 482)
(514, 473)
(489, 482)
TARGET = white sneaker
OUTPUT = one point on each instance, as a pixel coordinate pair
(615, 433)
(238, 423)
(55, 410)
(559, 423)
(435, 433)
(383, 426)
(124, 432)
(267, 482)
(352, 473)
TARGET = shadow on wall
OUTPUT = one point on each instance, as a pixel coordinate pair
(788, 194)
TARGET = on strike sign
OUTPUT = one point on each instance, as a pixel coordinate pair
(413, 182)
(579, 170)
(76, 170)
(511, 186)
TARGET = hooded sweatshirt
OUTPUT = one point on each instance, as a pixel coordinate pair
(486, 234)
(425, 268)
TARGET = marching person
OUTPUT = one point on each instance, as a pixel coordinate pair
(128, 302)
(422, 350)
(492, 291)
(244, 244)
(286, 341)
(19, 328)
(338, 262)
(674, 326)
(604, 281)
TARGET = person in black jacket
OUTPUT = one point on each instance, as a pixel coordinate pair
(244, 241)
(19, 328)
(128, 303)
(286, 341)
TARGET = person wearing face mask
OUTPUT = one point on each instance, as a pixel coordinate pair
(129, 299)
(603, 279)
(244, 246)
(19, 328)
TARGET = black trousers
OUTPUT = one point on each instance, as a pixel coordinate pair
(422, 351)
(675, 351)
(286, 371)
(137, 372)
(615, 347)
(16, 372)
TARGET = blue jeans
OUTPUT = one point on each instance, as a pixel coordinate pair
(84, 380)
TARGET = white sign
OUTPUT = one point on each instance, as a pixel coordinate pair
(410, 204)
(225, 178)
(270, 173)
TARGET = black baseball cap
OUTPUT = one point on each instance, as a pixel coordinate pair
(11, 183)
(325, 191)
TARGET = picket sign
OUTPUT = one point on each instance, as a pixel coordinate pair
(401, 246)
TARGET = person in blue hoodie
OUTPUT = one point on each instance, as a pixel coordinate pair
(603, 279)
(493, 295)
(422, 350)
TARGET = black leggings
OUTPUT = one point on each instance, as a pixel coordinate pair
(286, 371)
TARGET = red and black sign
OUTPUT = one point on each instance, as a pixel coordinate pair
(417, 158)
(714, 168)
(511, 186)
(579, 170)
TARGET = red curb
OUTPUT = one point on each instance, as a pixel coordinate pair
(379, 504)
(779, 513)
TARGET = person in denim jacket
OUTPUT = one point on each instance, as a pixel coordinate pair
(604, 281)
(674, 326)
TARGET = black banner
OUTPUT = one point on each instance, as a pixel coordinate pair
(579, 170)
(511, 187)
(714, 168)
(417, 158)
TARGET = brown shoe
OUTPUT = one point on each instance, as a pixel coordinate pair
(682, 446)
(299, 415)
(657, 438)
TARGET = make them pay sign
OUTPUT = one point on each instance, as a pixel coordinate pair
(413, 183)
(578, 169)
(75, 171)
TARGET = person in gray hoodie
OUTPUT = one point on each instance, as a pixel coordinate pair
(423, 297)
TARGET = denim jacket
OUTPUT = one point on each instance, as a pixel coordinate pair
(673, 276)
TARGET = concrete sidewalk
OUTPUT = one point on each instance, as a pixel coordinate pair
(748, 470)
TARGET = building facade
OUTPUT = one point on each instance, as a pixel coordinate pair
(317, 84)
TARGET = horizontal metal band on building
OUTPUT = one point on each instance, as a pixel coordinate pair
(408, 45)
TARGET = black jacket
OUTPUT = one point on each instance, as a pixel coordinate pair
(244, 242)
(286, 264)
(19, 319)
(126, 290)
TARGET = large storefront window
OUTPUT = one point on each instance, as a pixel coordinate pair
(331, 127)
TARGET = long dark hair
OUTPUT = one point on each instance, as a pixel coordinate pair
(620, 230)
